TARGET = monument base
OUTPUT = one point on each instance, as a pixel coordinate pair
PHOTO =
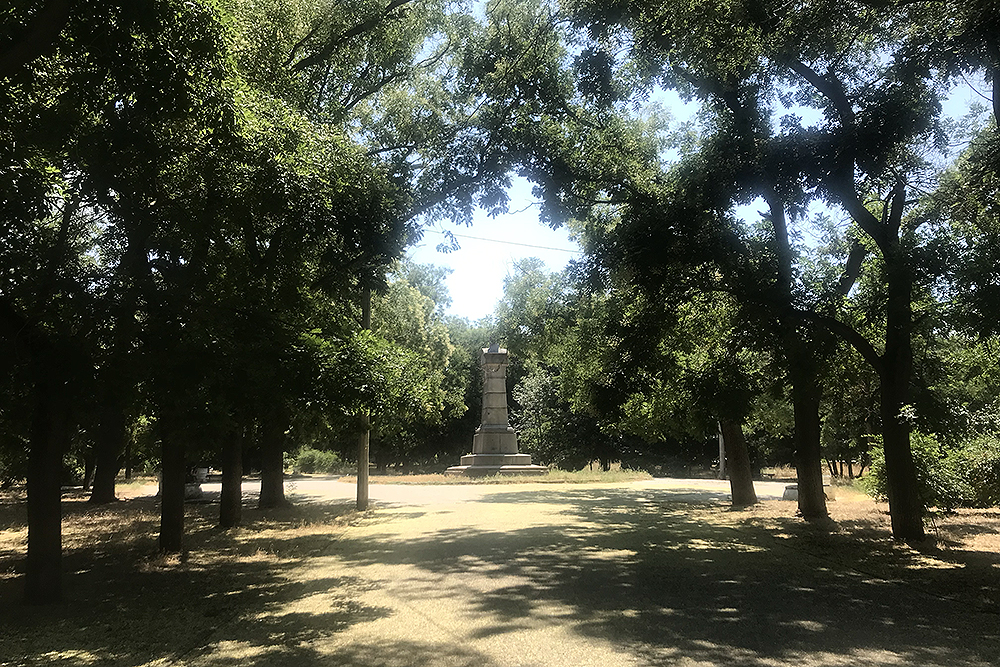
(476, 459)
(494, 446)
(499, 439)
(481, 465)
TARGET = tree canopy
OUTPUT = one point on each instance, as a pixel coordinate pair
(197, 198)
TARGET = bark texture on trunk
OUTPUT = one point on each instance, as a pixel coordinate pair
(109, 447)
(272, 462)
(172, 496)
(808, 452)
(905, 507)
(50, 436)
(231, 498)
(738, 462)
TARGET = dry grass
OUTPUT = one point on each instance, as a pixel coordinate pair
(958, 548)
(126, 603)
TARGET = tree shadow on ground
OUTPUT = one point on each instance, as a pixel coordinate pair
(665, 575)
(650, 574)
(126, 605)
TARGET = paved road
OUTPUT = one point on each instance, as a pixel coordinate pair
(584, 575)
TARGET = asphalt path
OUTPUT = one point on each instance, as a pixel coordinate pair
(584, 575)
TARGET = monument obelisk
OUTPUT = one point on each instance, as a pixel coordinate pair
(494, 446)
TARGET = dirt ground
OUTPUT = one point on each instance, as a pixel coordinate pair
(633, 573)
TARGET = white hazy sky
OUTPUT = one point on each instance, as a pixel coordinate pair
(480, 266)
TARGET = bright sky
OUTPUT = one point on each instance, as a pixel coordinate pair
(490, 246)
(489, 249)
(480, 266)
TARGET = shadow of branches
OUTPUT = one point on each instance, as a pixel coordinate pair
(666, 575)
(662, 575)
(126, 605)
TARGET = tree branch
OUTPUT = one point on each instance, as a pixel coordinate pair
(783, 249)
(829, 87)
(852, 269)
(388, 149)
(898, 200)
(842, 185)
(849, 335)
(21, 334)
(38, 39)
(359, 29)
(302, 42)
(374, 88)
(58, 250)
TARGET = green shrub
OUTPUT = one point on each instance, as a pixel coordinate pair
(939, 484)
(13, 464)
(979, 463)
(967, 476)
(317, 461)
(72, 470)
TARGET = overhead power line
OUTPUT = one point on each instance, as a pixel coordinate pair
(523, 245)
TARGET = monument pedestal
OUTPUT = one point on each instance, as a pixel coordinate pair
(494, 446)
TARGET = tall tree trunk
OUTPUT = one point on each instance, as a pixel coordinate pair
(803, 375)
(231, 499)
(50, 436)
(272, 460)
(118, 375)
(174, 476)
(895, 365)
(808, 453)
(738, 462)
(905, 507)
(112, 434)
(89, 467)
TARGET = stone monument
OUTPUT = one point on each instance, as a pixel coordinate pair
(494, 446)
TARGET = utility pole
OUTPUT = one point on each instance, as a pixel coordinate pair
(363, 438)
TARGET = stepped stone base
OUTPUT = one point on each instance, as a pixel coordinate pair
(481, 465)
(494, 446)
(496, 460)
